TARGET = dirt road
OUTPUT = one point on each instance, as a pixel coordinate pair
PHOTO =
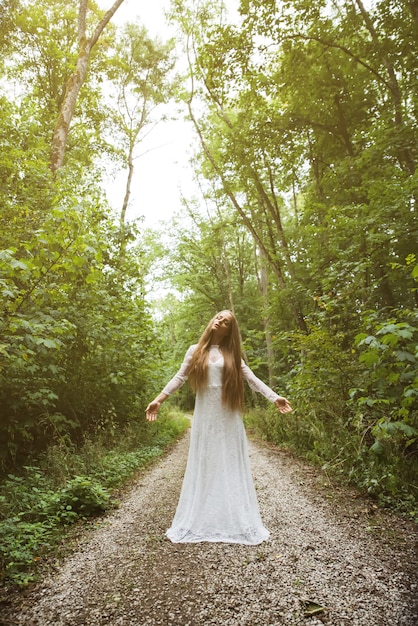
(332, 559)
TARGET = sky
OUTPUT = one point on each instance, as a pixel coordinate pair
(163, 173)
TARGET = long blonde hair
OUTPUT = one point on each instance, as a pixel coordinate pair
(230, 346)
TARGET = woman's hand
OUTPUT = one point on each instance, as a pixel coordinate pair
(151, 411)
(283, 405)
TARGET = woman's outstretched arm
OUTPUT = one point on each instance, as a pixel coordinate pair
(281, 403)
(175, 383)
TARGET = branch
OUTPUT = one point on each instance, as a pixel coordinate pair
(104, 22)
(82, 12)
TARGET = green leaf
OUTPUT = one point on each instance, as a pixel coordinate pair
(402, 355)
(387, 328)
(358, 339)
(15, 263)
(393, 377)
(50, 343)
(408, 430)
(377, 447)
(369, 358)
(368, 340)
(406, 333)
(391, 339)
(8, 294)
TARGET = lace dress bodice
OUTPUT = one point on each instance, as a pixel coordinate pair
(215, 375)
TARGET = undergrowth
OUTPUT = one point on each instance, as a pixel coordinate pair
(344, 454)
(355, 403)
(39, 504)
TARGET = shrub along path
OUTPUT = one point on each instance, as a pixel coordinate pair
(333, 558)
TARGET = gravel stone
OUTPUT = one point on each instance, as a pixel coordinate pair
(328, 549)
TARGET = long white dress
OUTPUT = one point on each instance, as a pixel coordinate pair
(218, 501)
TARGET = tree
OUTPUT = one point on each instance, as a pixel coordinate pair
(305, 87)
(86, 44)
(227, 140)
(8, 11)
(140, 69)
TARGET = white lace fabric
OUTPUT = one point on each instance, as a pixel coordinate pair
(216, 355)
(218, 501)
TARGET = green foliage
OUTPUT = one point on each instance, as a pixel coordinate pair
(70, 484)
(80, 496)
(77, 343)
(308, 129)
(366, 434)
(322, 364)
(385, 406)
(390, 367)
(318, 385)
(72, 335)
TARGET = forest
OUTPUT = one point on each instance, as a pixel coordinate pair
(305, 226)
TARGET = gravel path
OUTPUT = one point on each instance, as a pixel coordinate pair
(327, 547)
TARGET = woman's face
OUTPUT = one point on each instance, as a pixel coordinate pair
(221, 326)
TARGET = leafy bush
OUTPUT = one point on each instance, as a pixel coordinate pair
(115, 467)
(69, 484)
(386, 406)
(388, 399)
(81, 496)
(77, 342)
(318, 387)
(355, 411)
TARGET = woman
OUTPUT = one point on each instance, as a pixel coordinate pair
(218, 501)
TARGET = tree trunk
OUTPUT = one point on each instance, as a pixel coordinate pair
(75, 82)
(263, 287)
(65, 115)
(122, 219)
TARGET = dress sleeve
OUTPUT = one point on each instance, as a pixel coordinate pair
(180, 378)
(256, 384)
